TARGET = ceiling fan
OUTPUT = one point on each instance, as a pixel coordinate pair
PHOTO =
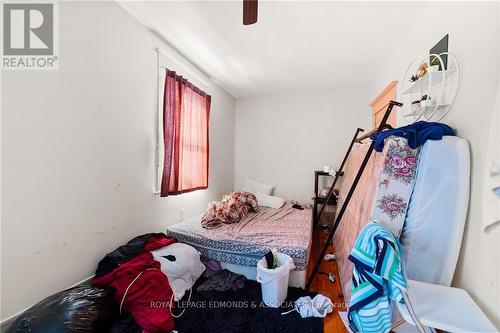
(249, 12)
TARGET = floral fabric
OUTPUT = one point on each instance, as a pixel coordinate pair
(233, 208)
(396, 183)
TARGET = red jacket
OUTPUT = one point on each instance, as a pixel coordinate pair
(148, 297)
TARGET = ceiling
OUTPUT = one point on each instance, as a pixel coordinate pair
(302, 45)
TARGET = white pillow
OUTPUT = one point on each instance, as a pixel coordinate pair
(256, 187)
(184, 268)
(269, 200)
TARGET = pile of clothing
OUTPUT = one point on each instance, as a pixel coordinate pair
(146, 274)
(136, 286)
(233, 208)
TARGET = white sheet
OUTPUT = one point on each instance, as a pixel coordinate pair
(436, 216)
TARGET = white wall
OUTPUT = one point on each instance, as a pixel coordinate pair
(282, 139)
(78, 154)
(474, 38)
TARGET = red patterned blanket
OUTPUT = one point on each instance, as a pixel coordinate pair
(234, 207)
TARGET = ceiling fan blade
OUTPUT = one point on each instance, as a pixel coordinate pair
(249, 12)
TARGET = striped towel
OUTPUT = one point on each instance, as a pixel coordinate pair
(377, 279)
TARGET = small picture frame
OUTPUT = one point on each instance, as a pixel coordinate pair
(439, 48)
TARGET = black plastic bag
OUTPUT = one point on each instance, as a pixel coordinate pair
(83, 308)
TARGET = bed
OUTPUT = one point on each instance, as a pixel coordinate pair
(240, 246)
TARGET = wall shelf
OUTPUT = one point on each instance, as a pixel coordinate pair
(426, 109)
(440, 86)
(422, 84)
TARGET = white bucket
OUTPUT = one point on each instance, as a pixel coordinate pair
(274, 282)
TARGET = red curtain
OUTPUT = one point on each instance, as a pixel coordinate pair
(186, 111)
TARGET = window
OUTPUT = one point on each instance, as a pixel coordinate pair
(186, 111)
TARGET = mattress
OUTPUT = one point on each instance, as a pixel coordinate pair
(434, 225)
(433, 228)
(244, 243)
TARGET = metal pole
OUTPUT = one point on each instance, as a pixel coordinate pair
(349, 194)
(338, 173)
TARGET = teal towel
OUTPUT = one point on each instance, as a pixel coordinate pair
(377, 279)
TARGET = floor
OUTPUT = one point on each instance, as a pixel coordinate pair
(321, 284)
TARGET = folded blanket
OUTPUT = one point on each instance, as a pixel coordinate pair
(416, 134)
(232, 209)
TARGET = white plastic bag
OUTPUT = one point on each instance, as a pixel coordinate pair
(319, 306)
(274, 282)
(183, 268)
